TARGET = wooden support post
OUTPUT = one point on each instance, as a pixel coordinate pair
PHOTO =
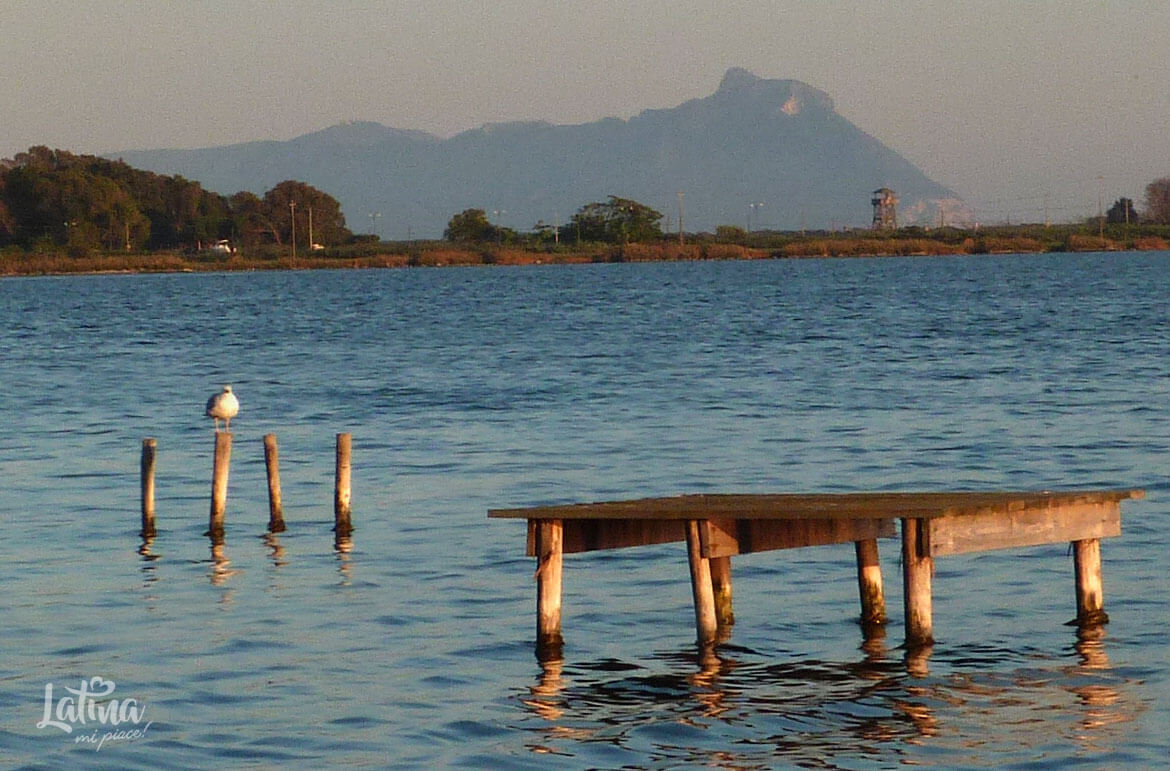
(917, 566)
(341, 512)
(869, 585)
(219, 482)
(272, 464)
(721, 588)
(148, 454)
(705, 620)
(550, 535)
(1090, 592)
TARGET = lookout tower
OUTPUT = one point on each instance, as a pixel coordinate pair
(885, 209)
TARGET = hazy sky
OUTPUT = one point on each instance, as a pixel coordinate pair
(1010, 103)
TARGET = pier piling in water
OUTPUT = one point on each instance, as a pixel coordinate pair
(272, 465)
(721, 587)
(149, 447)
(706, 622)
(343, 525)
(869, 585)
(716, 527)
(1090, 591)
(917, 568)
(219, 483)
(549, 561)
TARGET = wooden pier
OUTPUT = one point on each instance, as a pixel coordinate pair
(719, 527)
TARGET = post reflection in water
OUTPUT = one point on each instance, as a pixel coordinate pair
(221, 569)
(1103, 706)
(275, 549)
(706, 682)
(969, 704)
(343, 545)
(917, 660)
(150, 573)
(145, 550)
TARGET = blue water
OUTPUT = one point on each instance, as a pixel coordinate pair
(468, 389)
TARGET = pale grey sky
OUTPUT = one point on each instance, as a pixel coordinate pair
(1009, 102)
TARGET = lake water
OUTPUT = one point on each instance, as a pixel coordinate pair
(467, 389)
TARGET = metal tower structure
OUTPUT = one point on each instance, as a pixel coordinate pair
(885, 209)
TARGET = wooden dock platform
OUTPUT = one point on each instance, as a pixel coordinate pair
(719, 527)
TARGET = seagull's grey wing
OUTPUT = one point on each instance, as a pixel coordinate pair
(211, 404)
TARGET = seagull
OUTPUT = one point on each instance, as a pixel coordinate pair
(223, 406)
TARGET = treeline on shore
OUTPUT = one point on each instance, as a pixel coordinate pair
(1019, 239)
(53, 201)
(66, 213)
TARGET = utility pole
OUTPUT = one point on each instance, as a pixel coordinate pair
(499, 230)
(311, 242)
(292, 226)
(1101, 207)
(680, 218)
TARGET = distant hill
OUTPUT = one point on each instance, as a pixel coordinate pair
(776, 142)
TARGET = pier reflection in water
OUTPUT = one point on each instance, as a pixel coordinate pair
(733, 707)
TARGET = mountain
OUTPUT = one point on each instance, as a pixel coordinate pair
(755, 140)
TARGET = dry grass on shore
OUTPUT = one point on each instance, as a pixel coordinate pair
(14, 262)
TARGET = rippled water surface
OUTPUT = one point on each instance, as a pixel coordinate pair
(468, 389)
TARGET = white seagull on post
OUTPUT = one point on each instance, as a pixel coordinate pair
(223, 406)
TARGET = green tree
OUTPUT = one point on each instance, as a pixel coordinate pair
(55, 198)
(1158, 201)
(1121, 213)
(730, 234)
(292, 201)
(471, 225)
(618, 220)
(6, 221)
(251, 224)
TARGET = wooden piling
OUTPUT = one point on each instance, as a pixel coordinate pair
(272, 464)
(917, 566)
(549, 556)
(721, 588)
(219, 483)
(149, 446)
(341, 494)
(706, 625)
(869, 584)
(1090, 591)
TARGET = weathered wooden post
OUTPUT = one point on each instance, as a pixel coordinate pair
(550, 535)
(1090, 591)
(917, 565)
(272, 464)
(149, 447)
(341, 513)
(869, 585)
(219, 483)
(721, 587)
(706, 624)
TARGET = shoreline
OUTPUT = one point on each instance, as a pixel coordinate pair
(437, 254)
